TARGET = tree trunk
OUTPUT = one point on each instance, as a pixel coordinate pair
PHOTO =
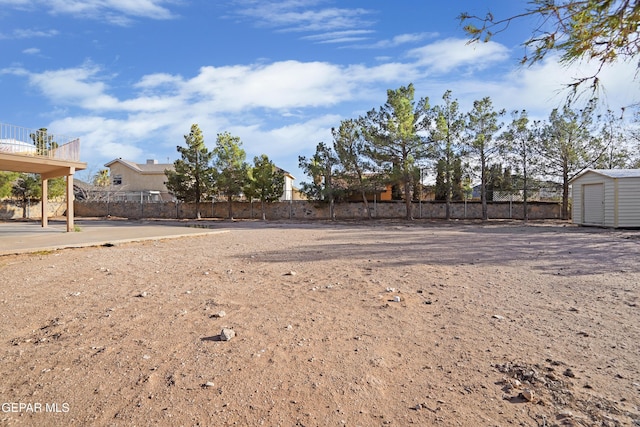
(565, 193)
(407, 199)
(483, 187)
(229, 200)
(264, 215)
(525, 195)
(366, 204)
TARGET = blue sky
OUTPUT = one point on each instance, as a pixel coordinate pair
(129, 77)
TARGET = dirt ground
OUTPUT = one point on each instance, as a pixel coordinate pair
(357, 324)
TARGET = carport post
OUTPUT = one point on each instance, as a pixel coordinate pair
(70, 199)
(43, 203)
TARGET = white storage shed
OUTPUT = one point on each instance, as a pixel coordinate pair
(607, 198)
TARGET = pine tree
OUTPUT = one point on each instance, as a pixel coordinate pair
(265, 182)
(193, 178)
(232, 169)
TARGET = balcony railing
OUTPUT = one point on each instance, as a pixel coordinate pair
(38, 143)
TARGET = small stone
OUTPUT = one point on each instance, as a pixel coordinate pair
(569, 373)
(497, 316)
(227, 334)
(565, 415)
(527, 394)
(218, 314)
(209, 384)
(396, 298)
(142, 295)
(290, 273)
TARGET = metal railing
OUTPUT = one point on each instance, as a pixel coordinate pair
(39, 143)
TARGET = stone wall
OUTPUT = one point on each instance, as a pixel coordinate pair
(312, 210)
(11, 209)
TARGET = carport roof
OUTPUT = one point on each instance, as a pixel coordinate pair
(37, 164)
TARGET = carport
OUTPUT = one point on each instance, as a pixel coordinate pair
(57, 162)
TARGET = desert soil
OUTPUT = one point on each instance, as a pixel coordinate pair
(497, 324)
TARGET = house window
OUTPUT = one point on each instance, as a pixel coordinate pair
(117, 180)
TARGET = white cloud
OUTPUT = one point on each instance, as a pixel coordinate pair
(299, 15)
(118, 12)
(75, 86)
(284, 144)
(101, 138)
(538, 89)
(543, 86)
(279, 85)
(28, 34)
(446, 55)
(340, 36)
(396, 41)
(31, 51)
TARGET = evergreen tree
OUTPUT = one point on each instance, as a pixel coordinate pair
(321, 167)
(519, 141)
(446, 136)
(457, 192)
(482, 125)
(393, 134)
(455, 189)
(617, 153)
(233, 171)
(265, 182)
(6, 183)
(192, 179)
(568, 146)
(43, 141)
(26, 189)
(355, 167)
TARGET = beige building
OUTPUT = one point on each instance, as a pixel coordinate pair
(138, 177)
(135, 180)
(146, 181)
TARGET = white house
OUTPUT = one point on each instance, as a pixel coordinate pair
(607, 198)
(288, 193)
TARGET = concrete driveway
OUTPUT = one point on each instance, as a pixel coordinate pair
(23, 237)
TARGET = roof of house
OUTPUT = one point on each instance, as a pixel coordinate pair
(143, 168)
(612, 173)
(159, 168)
(285, 173)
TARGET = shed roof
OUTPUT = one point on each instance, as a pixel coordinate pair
(612, 173)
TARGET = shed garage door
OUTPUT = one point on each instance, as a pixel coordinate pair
(593, 204)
